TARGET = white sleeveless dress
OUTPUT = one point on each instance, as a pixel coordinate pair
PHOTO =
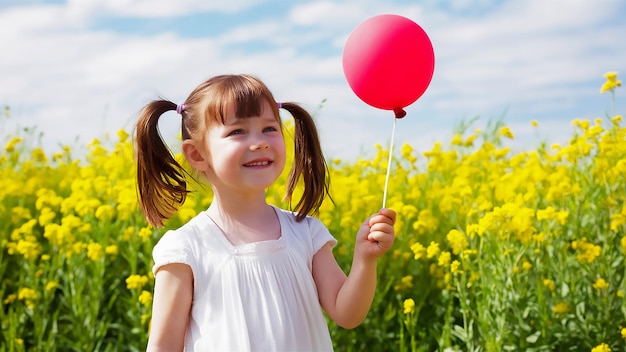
(254, 297)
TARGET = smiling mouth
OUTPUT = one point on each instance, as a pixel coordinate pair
(258, 163)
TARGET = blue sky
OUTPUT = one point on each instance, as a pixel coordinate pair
(81, 69)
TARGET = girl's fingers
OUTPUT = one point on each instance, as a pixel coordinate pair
(382, 241)
(387, 216)
(382, 227)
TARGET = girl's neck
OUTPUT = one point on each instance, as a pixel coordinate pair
(245, 220)
(236, 207)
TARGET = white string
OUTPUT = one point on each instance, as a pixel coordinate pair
(393, 135)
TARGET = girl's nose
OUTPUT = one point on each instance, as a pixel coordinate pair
(259, 145)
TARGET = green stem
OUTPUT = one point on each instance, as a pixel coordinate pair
(612, 102)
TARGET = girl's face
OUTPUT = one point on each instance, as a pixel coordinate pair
(246, 154)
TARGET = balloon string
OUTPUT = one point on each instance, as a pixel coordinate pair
(393, 135)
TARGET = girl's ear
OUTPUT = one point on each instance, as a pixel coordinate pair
(195, 156)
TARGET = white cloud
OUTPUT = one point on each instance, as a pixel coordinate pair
(536, 58)
(258, 31)
(155, 8)
(524, 52)
(326, 14)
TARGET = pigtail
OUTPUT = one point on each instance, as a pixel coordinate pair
(309, 163)
(160, 178)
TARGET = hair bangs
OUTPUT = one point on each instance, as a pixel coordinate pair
(245, 94)
(248, 100)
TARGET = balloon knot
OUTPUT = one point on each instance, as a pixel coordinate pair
(400, 113)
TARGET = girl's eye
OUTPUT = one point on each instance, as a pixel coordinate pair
(235, 132)
(270, 129)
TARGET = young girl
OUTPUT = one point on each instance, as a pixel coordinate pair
(245, 275)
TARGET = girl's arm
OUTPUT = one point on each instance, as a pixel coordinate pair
(347, 299)
(173, 292)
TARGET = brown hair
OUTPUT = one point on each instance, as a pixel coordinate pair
(161, 179)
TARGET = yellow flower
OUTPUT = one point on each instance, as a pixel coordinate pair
(546, 214)
(581, 123)
(623, 333)
(549, 284)
(603, 347)
(46, 216)
(105, 212)
(57, 156)
(136, 281)
(534, 123)
(75, 248)
(29, 249)
(10, 299)
(562, 216)
(145, 233)
(39, 155)
(506, 132)
(19, 213)
(601, 284)
(611, 82)
(586, 252)
(409, 306)
(457, 240)
(26, 294)
(472, 230)
(407, 153)
(470, 140)
(111, 250)
(432, 250)
(56, 234)
(501, 153)
(12, 143)
(94, 251)
(122, 135)
(418, 250)
(52, 285)
(405, 283)
(457, 139)
(538, 239)
(71, 222)
(468, 252)
(128, 233)
(561, 308)
(145, 298)
(444, 259)
(618, 219)
(426, 222)
(454, 266)
(408, 211)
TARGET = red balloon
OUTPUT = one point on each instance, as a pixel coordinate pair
(389, 61)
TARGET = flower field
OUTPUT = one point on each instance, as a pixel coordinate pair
(496, 250)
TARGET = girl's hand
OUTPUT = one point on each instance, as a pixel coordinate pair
(376, 234)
